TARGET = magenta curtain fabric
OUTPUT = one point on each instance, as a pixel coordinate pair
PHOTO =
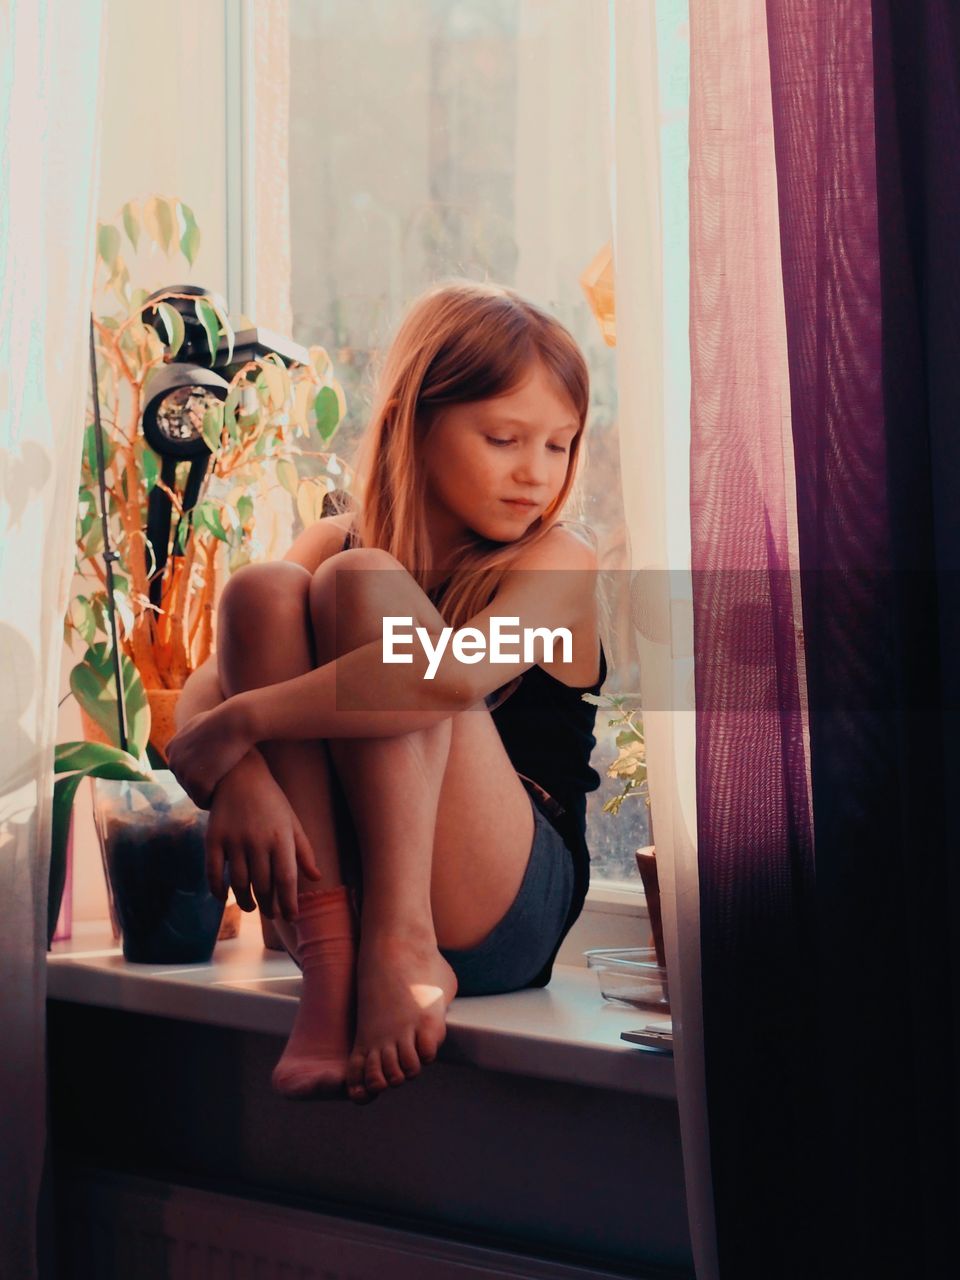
(754, 831)
(831, 969)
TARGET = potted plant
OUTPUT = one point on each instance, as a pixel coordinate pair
(269, 433)
(151, 839)
(630, 767)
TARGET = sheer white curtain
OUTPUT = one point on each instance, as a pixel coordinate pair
(50, 76)
(650, 77)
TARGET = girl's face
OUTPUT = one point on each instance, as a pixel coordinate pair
(493, 466)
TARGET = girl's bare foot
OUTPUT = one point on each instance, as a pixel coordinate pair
(404, 987)
(314, 1063)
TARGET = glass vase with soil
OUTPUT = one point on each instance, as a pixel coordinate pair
(152, 840)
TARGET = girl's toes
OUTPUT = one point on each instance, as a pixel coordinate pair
(373, 1076)
(355, 1072)
(392, 1070)
(409, 1061)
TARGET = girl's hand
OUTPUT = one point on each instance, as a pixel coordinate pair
(207, 748)
(255, 831)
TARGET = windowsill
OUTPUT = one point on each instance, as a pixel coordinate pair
(618, 897)
(565, 1032)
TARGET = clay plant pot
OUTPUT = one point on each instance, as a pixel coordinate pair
(647, 866)
(163, 703)
(230, 925)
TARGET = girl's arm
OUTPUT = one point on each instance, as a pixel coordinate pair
(201, 692)
(360, 696)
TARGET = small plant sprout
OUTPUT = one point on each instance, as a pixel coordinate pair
(630, 766)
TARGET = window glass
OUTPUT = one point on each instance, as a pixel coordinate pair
(458, 137)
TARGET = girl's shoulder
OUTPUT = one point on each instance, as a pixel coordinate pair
(582, 531)
(568, 545)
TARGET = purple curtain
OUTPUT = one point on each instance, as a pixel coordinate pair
(755, 847)
(831, 1009)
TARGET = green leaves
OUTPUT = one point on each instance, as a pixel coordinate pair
(613, 805)
(93, 540)
(327, 409)
(131, 222)
(90, 448)
(158, 221)
(630, 765)
(227, 329)
(237, 559)
(150, 466)
(631, 761)
(207, 516)
(190, 239)
(276, 380)
(169, 224)
(287, 475)
(71, 756)
(244, 510)
(86, 512)
(212, 428)
(231, 404)
(310, 498)
(211, 325)
(173, 324)
(108, 244)
(83, 618)
(92, 684)
(162, 218)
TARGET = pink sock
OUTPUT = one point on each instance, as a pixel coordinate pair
(314, 1063)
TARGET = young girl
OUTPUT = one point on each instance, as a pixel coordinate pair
(414, 838)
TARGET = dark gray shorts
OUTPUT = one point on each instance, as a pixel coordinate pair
(516, 949)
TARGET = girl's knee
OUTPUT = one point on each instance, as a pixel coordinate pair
(337, 571)
(261, 596)
(336, 590)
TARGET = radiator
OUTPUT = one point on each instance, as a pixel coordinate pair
(116, 1228)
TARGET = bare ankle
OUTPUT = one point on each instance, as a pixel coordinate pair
(385, 927)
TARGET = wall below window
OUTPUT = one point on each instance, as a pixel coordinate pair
(539, 1167)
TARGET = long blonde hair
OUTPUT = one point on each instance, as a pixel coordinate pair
(461, 341)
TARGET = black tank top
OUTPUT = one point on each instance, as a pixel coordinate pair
(547, 731)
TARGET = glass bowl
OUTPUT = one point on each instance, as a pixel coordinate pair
(631, 976)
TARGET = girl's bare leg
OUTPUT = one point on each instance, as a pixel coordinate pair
(392, 784)
(444, 828)
(265, 636)
(427, 873)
